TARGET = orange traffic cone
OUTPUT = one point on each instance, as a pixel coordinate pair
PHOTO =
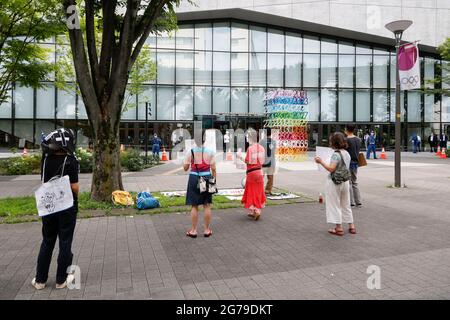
(443, 154)
(25, 152)
(164, 155)
(229, 156)
(438, 153)
(383, 154)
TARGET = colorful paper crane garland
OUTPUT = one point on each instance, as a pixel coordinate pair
(287, 116)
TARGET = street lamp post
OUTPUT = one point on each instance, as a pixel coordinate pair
(398, 27)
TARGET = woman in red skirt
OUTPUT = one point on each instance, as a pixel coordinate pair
(254, 197)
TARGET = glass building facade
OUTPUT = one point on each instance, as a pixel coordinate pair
(218, 72)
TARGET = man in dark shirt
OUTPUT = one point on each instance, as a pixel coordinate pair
(58, 159)
(354, 146)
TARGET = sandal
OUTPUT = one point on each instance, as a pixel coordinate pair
(209, 234)
(191, 235)
(336, 232)
(352, 230)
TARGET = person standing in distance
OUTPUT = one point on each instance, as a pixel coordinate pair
(353, 148)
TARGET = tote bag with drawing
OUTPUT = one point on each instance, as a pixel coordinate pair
(54, 195)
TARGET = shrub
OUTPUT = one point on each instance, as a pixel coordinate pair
(132, 160)
(22, 165)
(86, 160)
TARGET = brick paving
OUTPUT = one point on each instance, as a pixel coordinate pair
(286, 255)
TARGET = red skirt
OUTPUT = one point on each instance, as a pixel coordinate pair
(254, 190)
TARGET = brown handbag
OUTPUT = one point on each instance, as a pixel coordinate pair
(362, 160)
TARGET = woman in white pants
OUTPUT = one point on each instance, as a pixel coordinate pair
(337, 196)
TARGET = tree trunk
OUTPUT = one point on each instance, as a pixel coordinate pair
(106, 176)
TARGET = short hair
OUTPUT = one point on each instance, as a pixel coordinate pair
(338, 141)
(350, 127)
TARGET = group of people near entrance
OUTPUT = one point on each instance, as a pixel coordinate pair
(58, 150)
(260, 160)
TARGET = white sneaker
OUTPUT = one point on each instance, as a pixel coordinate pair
(36, 285)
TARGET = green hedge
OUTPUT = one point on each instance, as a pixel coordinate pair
(130, 160)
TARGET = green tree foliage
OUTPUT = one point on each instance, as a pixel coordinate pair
(441, 81)
(22, 24)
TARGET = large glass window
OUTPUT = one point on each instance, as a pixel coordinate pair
(221, 34)
(328, 46)
(380, 71)
(311, 65)
(293, 42)
(258, 40)
(313, 106)
(203, 36)
(23, 129)
(328, 71)
(148, 95)
(393, 71)
(293, 71)
(257, 101)
(221, 100)
(166, 40)
(363, 71)
(429, 72)
(239, 100)
(23, 97)
(276, 41)
(185, 66)
(311, 45)
(66, 105)
(185, 37)
(129, 107)
(414, 106)
(363, 105)
(380, 109)
(239, 37)
(345, 105)
(257, 69)
(431, 109)
(221, 68)
(346, 65)
(328, 105)
(45, 102)
(202, 101)
(346, 48)
(203, 67)
(166, 110)
(185, 107)
(166, 67)
(239, 69)
(275, 70)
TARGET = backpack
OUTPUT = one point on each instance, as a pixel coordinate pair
(341, 174)
(146, 201)
(123, 198)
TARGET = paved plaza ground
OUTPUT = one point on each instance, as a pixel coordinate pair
(287, 254)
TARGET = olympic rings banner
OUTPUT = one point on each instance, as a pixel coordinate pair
(286, 114)
(409, 67)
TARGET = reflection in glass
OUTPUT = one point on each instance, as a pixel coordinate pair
(185, 66)
(313, 106)
(165, 103)
(345, 105)
(221, 68)
(328, 70)
(414, 106)
(346, 65)
(363, 71)
(166, 65)
(66, 105)
(239, 100)
(148, 95)
(184, 107)
(311, 64)
(293, 70)
(275, 70)
(221, 34)
(431, 113)
(258, 41)
(276, 41)
(257, 101)
(239, 37)
(362, 105)
(239, 69)
(203, 67)
(293, 42)
(380, 110)
(311, 45)
(202, 101)
(166, 40)
(45, 102)
(328, 105)
(203, 36)
(429, 72)
(380, 70)
(221, 100)
(185, 37)
(257, 69)
(329, 46)
(23, 98)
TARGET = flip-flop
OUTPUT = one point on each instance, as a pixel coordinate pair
(336, 232)
(257, 216)
(352, 230)
(191, 235)
(209, 234)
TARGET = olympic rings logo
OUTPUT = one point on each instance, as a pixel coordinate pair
(412, 80)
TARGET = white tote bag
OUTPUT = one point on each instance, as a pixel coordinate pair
(54, 195)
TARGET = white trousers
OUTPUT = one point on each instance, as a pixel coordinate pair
(337, 202)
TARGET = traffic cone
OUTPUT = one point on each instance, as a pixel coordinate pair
(25, 152)
(229, 156)
(443, 154)
(383, 154)
(438, 153)
(164, 155)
